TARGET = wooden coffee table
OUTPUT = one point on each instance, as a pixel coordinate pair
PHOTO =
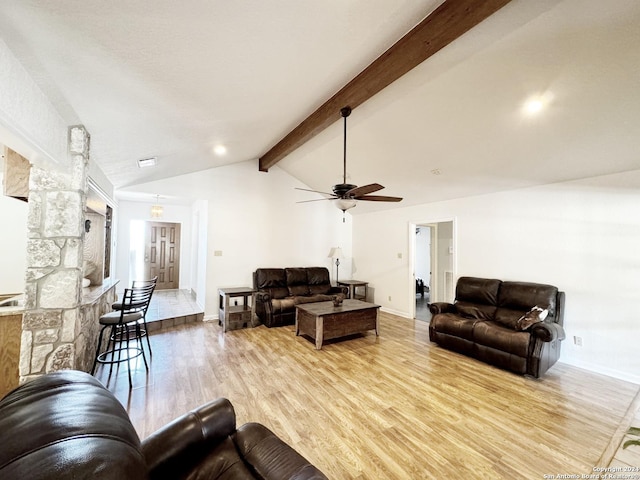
(322, 321)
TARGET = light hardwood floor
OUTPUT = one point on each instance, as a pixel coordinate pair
(388, 407)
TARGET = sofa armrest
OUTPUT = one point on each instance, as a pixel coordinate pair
(441, 307)
(170, 451)
(263, 304)
(548, 332)
(270, 457)
(263, 297)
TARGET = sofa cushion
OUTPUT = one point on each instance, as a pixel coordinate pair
(499, 337)
(524, 296)
(288, 304)
(508, 317)
(273, 281)
(319, 282)
(313, 299)
(297, 282)
(517, 298)
(455, 325)
(221, 462)
(479, 312)
(475, 290)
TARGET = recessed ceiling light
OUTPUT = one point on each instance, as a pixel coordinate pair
(220, 149)
(536, 103)
(533, 106)
(147, 162)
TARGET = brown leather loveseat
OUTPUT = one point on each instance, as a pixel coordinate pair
(497, 322)
(279, 290)
(66, 425)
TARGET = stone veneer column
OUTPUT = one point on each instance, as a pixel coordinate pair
(53, 293)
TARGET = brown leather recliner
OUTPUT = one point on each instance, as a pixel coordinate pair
(279, 290)
(485, 323)
(66, 425)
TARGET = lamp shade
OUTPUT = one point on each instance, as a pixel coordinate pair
(335, 252)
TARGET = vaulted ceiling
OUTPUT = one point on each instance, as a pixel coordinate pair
(173, 80)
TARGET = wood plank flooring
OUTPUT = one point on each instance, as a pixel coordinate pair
(389, 407)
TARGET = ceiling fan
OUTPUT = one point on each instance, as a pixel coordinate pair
(345, 193)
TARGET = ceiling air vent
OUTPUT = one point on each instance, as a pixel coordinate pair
(147, 162)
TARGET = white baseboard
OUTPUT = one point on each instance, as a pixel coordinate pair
(603, 371)
(395, 312)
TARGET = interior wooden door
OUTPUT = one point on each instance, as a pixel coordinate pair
(162, 247)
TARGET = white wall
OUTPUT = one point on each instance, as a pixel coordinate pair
(581, 236)
(13, 244)
(253, 221)
(199, 256)
(128, 211)
(29, 124)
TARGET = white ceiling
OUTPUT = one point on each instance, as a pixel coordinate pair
(174, 79)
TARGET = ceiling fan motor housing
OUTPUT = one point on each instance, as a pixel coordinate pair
(342, 188)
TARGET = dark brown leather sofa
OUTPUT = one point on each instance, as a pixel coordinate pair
(66, 425)
(491, 321)
(279, 290)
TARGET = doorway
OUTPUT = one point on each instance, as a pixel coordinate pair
(423, 271)
(432, 265)
(155, 250)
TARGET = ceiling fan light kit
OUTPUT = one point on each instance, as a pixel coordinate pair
(345, 193)
(345, 204)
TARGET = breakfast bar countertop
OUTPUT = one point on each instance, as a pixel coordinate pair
(89, 296)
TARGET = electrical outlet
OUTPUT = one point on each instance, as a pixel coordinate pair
(577, 341)
(389, 297)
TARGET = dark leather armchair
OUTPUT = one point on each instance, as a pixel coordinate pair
(66, 425)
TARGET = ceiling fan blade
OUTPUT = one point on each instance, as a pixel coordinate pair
(314, 191)
(356, 192)
(379, 198)
(317, 200)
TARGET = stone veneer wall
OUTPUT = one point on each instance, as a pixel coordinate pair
(55, 336)
(86, 340)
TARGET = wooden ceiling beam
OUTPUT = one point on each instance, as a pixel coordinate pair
(448, 22)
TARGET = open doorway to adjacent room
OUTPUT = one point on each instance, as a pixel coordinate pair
(433, 265)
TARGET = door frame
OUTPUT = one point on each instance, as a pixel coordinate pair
(435, 267)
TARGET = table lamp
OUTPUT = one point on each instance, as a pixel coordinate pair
(336, 252)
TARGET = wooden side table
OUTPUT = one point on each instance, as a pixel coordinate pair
(353, 285)
(235, 316)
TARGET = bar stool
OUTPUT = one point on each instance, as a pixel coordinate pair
(141, 308)
(124, 327)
